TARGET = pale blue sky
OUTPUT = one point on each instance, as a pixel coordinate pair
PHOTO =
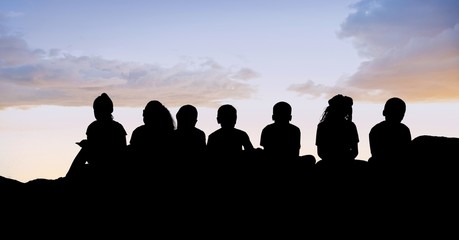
(57, 56)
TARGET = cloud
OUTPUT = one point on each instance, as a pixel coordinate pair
(411, 50)
(32, 77)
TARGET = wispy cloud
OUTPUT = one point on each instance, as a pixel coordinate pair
(31, 77)
(411, 50)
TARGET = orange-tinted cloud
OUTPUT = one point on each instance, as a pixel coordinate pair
(411, 47)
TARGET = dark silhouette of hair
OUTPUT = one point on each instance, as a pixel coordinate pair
(153, 139)
(103, 107)
(339, 108)
(228, 142)
(157, 115)
(337, 137)
(189, 141)
(390, 139)
(104, 146)
(281, 140)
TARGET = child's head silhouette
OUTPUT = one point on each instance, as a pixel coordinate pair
(103, 107)
(187, 116)
(339, 108)
(282, 112)
(152, 112)
(394, 109)
(227, 115)
(155, 114)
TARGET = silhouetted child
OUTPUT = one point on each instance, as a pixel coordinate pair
(390, 139)
(281, 140)
(153, 140)
(189, 141)
(337, 137)
(102, 150)
(150, 147)
(189, 148)
(228, 142)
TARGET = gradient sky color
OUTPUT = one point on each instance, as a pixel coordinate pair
(57, 56)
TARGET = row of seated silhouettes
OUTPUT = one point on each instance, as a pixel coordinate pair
(158, 142)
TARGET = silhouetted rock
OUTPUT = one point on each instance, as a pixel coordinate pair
(434, 161)
(435, 151)
(10, 186)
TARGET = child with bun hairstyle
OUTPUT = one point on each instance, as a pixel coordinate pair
(106, 141)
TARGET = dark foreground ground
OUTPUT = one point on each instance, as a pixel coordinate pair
(250, 198)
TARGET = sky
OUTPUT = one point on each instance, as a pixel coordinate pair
(56, 57)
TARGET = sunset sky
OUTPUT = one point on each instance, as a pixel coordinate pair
(57, 56)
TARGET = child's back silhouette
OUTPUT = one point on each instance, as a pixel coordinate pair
(228, 142)
(105, 144)
(189, 141)
(390, 139)
(337, 137)
(153, 140)
(281, 140)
